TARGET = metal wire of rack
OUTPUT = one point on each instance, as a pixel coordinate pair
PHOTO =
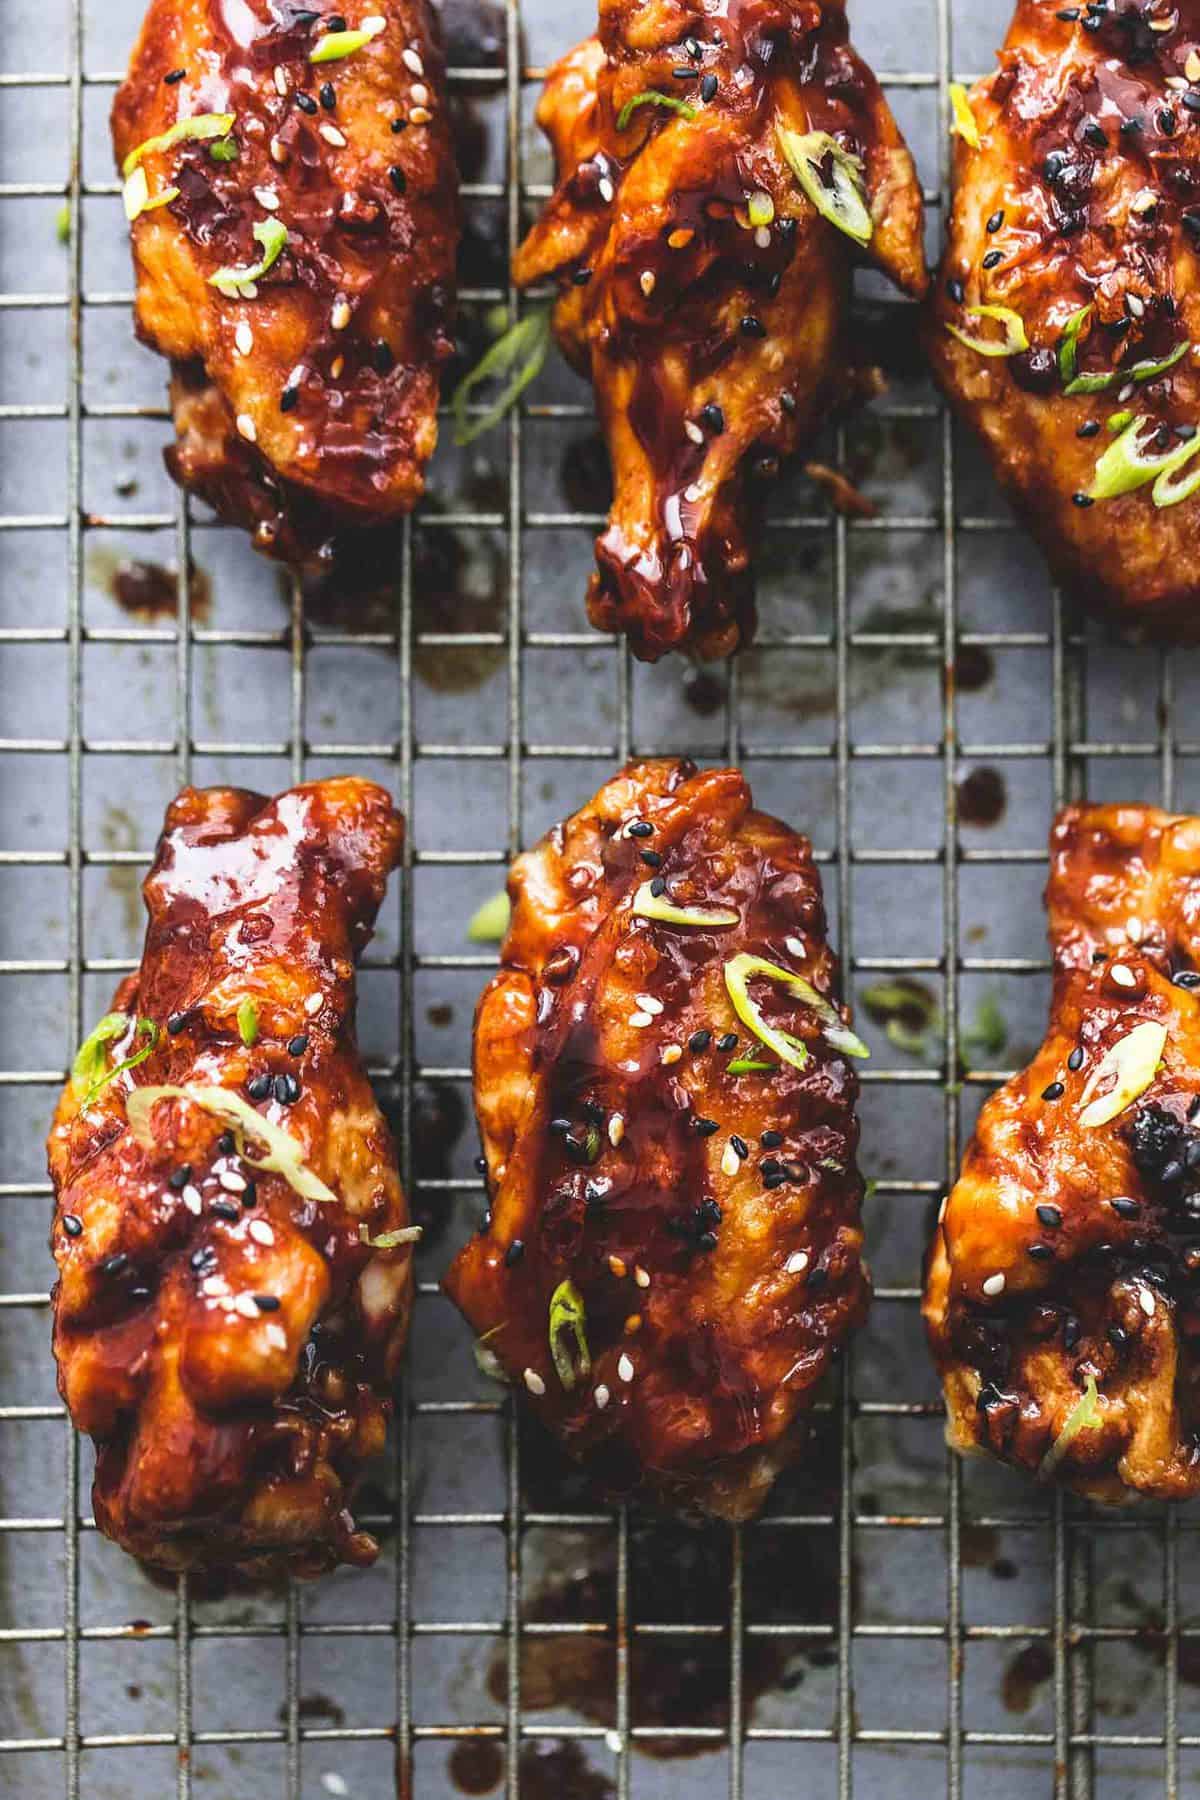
(1070, 1754)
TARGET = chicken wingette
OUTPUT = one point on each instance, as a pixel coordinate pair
(673, 1252)
(1066, 319)
(233, 1248)
(720, 167)
(290, 182)
(1062, 1296)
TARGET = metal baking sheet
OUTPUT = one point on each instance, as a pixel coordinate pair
(897, 1623)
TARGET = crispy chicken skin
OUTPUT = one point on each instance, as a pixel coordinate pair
(1084, 193)
(228, 1343)
(707, 1219)
(715, 346)
(1070, 1248)
(306, 404)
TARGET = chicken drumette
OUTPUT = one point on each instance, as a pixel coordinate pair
(1070, 272)
(290, 179)
(701, 288)
(673, 1253)
(1063, 1291)
(232, 1242)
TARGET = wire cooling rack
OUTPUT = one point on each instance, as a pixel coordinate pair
(919, 701)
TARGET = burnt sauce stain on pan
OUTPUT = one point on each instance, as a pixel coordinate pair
(476, 1765)
(1028, 1671)
(550, 1769)
(148, 590)
(982, 797)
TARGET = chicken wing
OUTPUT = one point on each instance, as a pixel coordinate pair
(290, 179)
(235, 1269)
(1065, 319)
(1061, 1295)
(701, 288)
(673, 1252)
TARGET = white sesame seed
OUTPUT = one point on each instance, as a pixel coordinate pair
(1127, 392)
(1146, 1302)
(247, 428)
(339, 318)
(1191, 67)
(648, 1003)
(794, 945)
(191, 1199)
(762, 237)
(641, 1276)
(647, 281)
(412, 60)
(333, 136)
(243, 339)
(1136, 305)
(730, 1160)
(246, 290)
(261, 1232)
(313, 1004)
(671, 1053)
(244, 1304)
(693, 431)
(1122, 976)
(267, 197)
(625, 1367)
(277, 1337)
(692, 493)
(281, 80)
(373, 23)
(993, 1285)
(337, 367)
(534, 1382)
(796, 1263)
(279, 151)
(232, 1182)
(601, 1397)
(419, 93)
(608, 192)
(616, 1129)
(420, 115)
(639, 1020)
(213, 1287)
(1135, 931)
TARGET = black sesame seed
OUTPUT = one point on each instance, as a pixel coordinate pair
(752, 327)
(266, 1302)
(1072, 1332)
(581, 277)
(1054, 164)
(740, 1146)
(774, 1181)
(769, 1165)
(1089, 429)
(956, 290)
(699, 1040)
(996, 221)
(299, 1044)
(727, 1043)
(684, 74)
(306, 103)
(641, 828)
(1171, 1172)
(705, 1127)
(72, 1224)
(1039, 1252)
(328, 96)
(399, 125)
(1094, 133)
(179, 1021)
(225, 1209)
(707, 1240)
(1187, 978)
(113, 1265)
(250, 1194)
(1075, 1060)
(593, 1110)
(651, 858)
(227, 1143)
(179, 1178)
(708, 87)
(1093, 23)
(335, 23)
(1191, 100)
(1130, 127)
(1049, 1216)
(1185, 433)
(286, 1089)
(382, 357)
(992, 258)
(559, 1127)
(1125, 1208)
(139, 1293)
(593, 1195)
(771, 1140)
(787, 401)
(1099, 956)
(1082, 500)
(1055, 1091)
(289, 399)
(1166, 122)
(514, 1253)
(398, 178)
(1191, 223)
(712, 418)
(1068, 15)
(1118, 1337)
(481, 1165)
(259, 1086)
(174, 76)
(658, 887)
(305, 15)
(818, 1278)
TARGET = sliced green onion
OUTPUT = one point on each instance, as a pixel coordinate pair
(271, 235)
(135, 194)
(90, 1071)
(1084, 1413)
(389, 1240)
(62, 223)
(746, 1065)
(200, 125)
(568, 1315)
(1125, 466)
(283, 1152)
(656, 906)
(1130, 1066)
(740, 970)
(247, 1023)
(337, 44)
(1068, 349)
(1139, 371)
(760, 208)
(844, 203)
(224, 150)
(908, 1012)
(987, 1036)
(1014, 338)
(1169, 492)
(518, 356)
(489, 922)
(1119, 420)
(652, 97)
(963, 123)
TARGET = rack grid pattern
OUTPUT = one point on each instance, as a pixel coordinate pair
(1070, 1748)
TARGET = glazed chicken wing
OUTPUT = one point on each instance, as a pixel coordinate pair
(1061, 1296)
(700, 287)
(232, 1242)
(1077, 222)
(674, 1249)
(291, 182)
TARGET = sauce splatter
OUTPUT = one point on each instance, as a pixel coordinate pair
(982, 797)
(476, 1765)
(1024, 1675)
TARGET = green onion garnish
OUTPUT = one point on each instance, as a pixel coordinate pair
(1125, 465)
(200, 125)
(247, 1023)
(1167, 491)
(1140, 371)
(657, 906)
(337, 44)
(844, 201)
(568, 1315)
(741, 970)
(963, 123)
(652, 97)
(389, 1240)
(90, 1071)
(62, 223)
(1084, 1413)
(489, 922)
(1014, 338)
(224, 150)
(518, 356)
(283, 1155)
(272, 235)
(1068, 349)
(746, 1065)
(1130, 1066)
